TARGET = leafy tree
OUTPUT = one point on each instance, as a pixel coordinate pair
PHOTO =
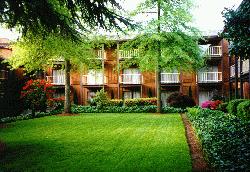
(35, 52)
(67, 19)
(167, 42)
(236, 29)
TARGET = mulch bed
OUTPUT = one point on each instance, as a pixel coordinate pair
(198, 161)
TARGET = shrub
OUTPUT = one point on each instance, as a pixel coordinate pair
(225, 138)
(223, 107)
(168, 109)
(116, 102)
(141, 101)
(178, 100)
(133, 102)
(243, 110)
(29, 116)
(101, 99)
(232, 105)
(123, 109)
(36, 93)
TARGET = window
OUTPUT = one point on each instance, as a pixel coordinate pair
(132, 94)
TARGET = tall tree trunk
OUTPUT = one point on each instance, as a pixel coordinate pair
(158, 68)
(67, 103)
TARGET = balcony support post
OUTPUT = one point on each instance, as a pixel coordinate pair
(230, 81)
(103, 69)
(236, 78)
(118, 72)
(248, 78)
(241, 79)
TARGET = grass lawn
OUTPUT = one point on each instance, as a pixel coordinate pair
(96, 142)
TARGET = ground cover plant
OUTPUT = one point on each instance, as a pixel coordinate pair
(225, 138)
(96, 142)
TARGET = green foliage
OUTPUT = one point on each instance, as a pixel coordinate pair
(34, 52)
(243, 110)
(140, 101)
(123, 109)
(101, 99)
(177, 38)
(225, 138)
(178, 100)
(167, 109)
(69, 18)
(173, 44)
(223, 107)
(116, 102)
(232, 106)
(26, 116)
(236, 29)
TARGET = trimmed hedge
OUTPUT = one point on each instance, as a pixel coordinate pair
(225, 138)
(243, 110)
(126, 102)
(124, 109)
(232, 105)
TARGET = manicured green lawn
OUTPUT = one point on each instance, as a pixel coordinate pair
(97, 142)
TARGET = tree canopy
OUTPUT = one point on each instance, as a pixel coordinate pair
(178, 40)
(69, 17)
(237, 29)
(35, 52)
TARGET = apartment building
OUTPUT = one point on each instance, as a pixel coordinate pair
(132, 83)
(239, 82)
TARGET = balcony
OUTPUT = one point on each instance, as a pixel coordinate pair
(101, 55)
(3, 74)
(168, 78)
(126, 54)
(56, 80)
(209, 77)
(94, 80)
(214, 51)
(132, 79)
(245, 68)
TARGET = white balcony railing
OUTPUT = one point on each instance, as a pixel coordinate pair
(3, 74)
(131, 79)
(94, 79)
(209, 77)
(101, 54)
(245, 68)
(214, 51)
(56, 80)
(123, 54)
(170, 78)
